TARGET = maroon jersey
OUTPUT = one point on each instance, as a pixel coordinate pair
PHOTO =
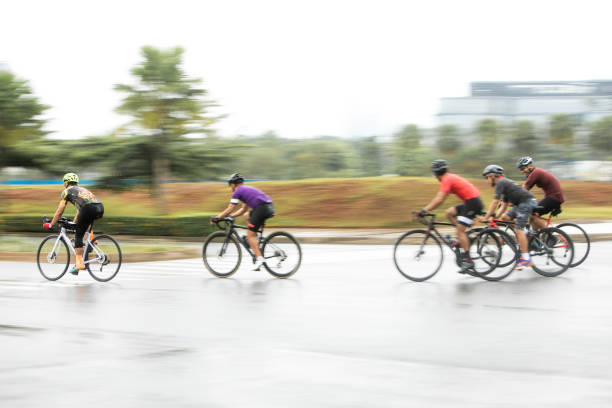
(547, 182)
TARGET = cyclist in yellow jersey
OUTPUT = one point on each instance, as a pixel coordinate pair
(89, 208)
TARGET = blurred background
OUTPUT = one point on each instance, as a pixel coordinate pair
(330, 107)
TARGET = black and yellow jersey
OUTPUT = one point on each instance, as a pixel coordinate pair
(79, 196)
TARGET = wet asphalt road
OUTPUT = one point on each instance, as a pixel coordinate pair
(346, 331)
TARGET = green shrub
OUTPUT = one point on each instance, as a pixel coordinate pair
(194, 226)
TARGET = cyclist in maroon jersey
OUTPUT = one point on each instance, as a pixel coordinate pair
(261, 208)
(461, 215)
(554, 197)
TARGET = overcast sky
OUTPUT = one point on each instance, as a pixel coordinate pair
(300, 68)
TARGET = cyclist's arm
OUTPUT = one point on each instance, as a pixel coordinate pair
(58, 213)
(240, 211)
(228, 210)
(502, 209)
(492, 208)
(76, 216)
(437, 200)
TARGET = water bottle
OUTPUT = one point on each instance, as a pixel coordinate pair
(245, 241)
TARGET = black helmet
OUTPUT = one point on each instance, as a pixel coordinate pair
(438, 165)
(235, 178)
(492, 168)
(523, 161)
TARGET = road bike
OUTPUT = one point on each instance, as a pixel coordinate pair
(418, 254)
(580, 239)
(222, 254)
(551, 249)
(101, 256)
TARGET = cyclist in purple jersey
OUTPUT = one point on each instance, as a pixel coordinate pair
(261, 208)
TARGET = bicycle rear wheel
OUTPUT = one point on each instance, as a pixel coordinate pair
(103, 258)
(52, 258)
(221, 255)
(418, 255)
(551, 251)
(581, 240)
(282, 253)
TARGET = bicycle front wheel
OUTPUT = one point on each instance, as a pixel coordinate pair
(493, 253)
(52, 258)
(103, 258)
(551, 251)
(581, 240)
(418, 255)
(221, 255)
(282, 254)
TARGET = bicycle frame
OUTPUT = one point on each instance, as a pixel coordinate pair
(231, 231)
(431, 226)
(63, 236)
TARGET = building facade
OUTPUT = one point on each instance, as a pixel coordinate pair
(507, 102)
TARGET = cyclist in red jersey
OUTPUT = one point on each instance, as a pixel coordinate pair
(554, 197)
(461, 215)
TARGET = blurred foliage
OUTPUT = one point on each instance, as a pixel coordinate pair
(561, 129)
(488, 132)
(523, 136)
(410, 158)
(19, 112)
(448, 139)
(150, 226)
(600, 138)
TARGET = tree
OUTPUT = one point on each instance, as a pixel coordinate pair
(369, 152)
(448, 139)
(19, 117)
(166, 107)
(409, 157)
(561, 130)
(488, 131)
(320, 157)
(19, 121)
(600, 138)
(523, 138)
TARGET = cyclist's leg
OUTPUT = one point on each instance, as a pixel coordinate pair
(466, 214)
(545, 206)
(84, 220)
(99, 213)
(523, 212)
(257, 218)
(453, 212)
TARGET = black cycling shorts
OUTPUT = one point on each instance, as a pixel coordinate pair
(548, 205)
(87, 214)
(259, 215)
(467, 211)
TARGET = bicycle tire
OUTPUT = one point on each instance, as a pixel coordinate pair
(541, 249)
(276, 249)
(61, 266)
(110, 255)
(579, 257)
(404, 249)
(231, 256)
(487, 252)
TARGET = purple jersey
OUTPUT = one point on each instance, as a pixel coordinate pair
(250, 196)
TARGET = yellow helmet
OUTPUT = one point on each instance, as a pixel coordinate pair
(71, 177)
